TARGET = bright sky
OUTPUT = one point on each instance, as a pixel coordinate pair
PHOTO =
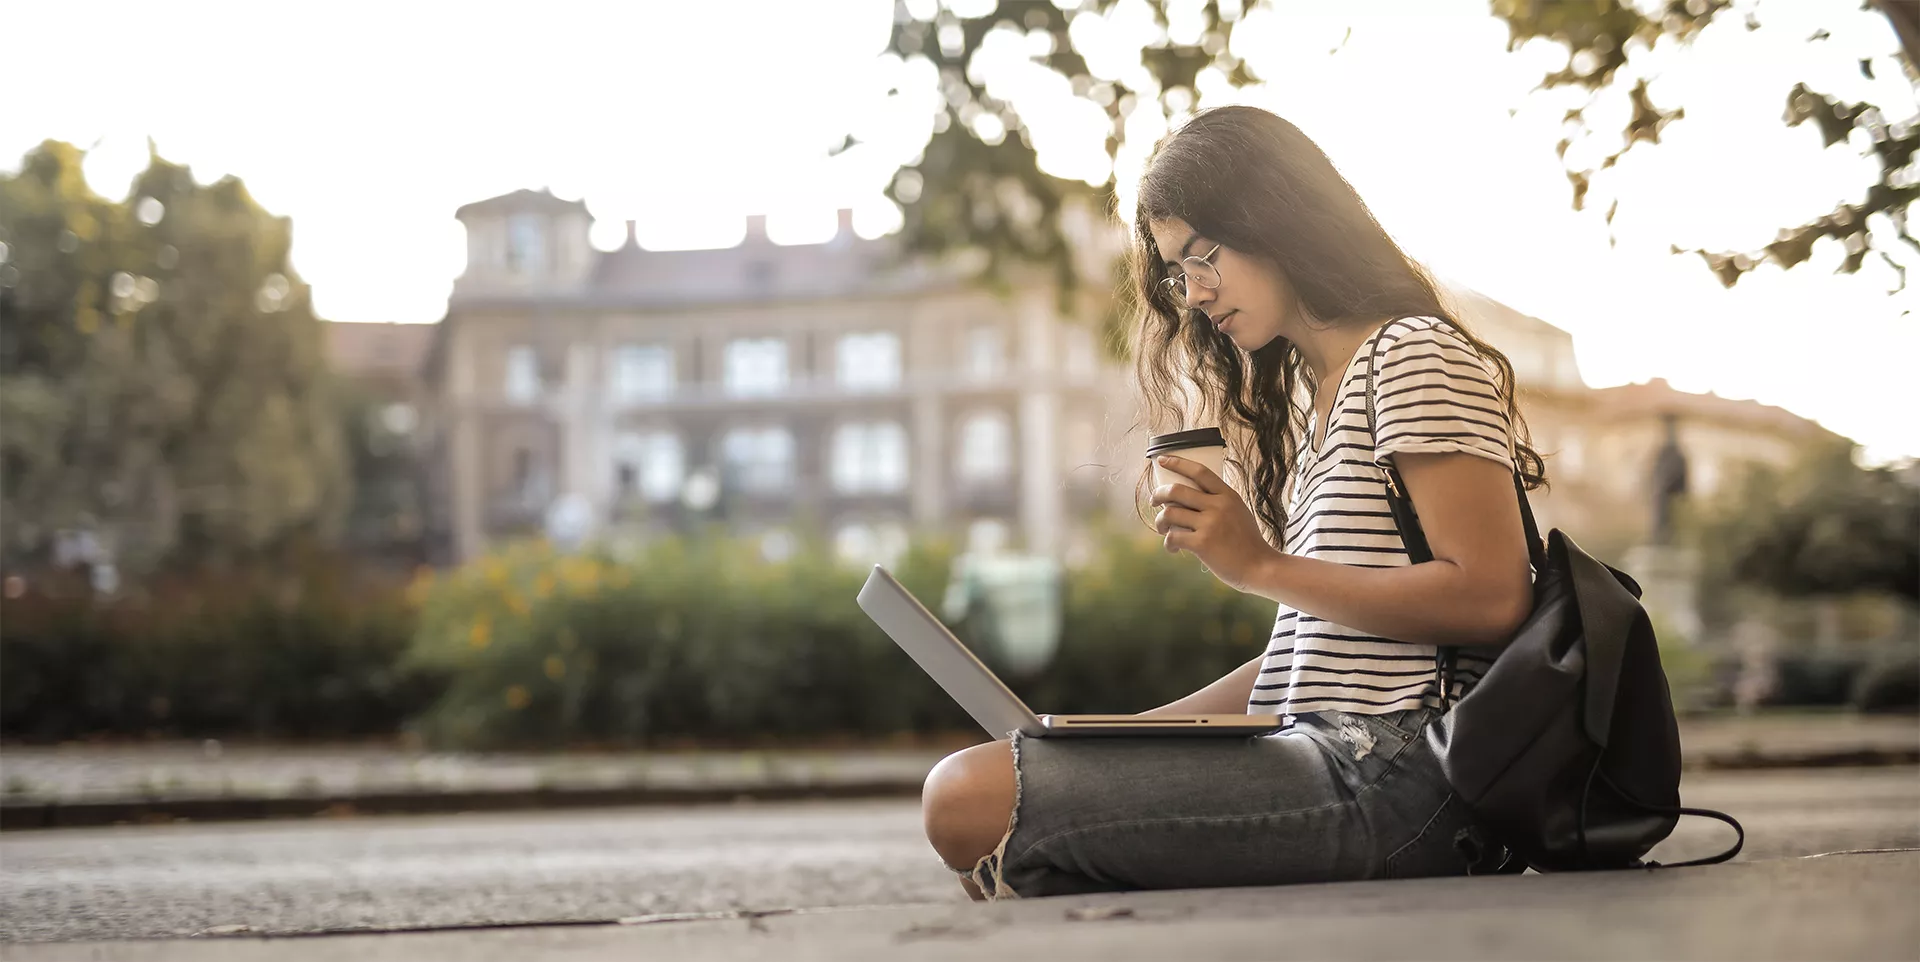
(369, 123)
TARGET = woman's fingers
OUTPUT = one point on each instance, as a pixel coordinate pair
(1177, 540)
(1173, 516)
(1178, 494)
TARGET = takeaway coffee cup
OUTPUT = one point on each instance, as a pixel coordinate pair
(1204, 445)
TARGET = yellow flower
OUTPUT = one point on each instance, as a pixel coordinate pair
(543, 588)
(421, 584)
(556, 669)
(517, 697)
(480, 634)
(517, 604)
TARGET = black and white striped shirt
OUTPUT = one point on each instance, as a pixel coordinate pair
(1434, 394)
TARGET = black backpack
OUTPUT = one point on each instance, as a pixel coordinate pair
(1566, 750)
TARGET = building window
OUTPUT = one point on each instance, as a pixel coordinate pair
(777, 545)
(650, 465)
(759, 460)
(531, 487)
(868, 362)
(1081, 358)
(523, 374)
(399, 418)
(641, 372)
(866, 544)
(1706, 476)
(755, 366)
(869, 458)
(522, 471)
(988, 536)
(1573, 454)
(526, 244)
(986, 447)
(1082, 447)
(986, 352)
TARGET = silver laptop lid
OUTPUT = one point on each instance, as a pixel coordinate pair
(944, 658)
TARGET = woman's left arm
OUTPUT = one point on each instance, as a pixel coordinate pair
(1475, 591)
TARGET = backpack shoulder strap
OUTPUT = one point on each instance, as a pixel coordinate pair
(1408, 521)
(1404, 516)
(1740, 833)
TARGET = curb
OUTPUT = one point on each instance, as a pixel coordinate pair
(20, 816)
(31, 815)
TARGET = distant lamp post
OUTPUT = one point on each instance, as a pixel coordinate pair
(700, 493)
(569, 522)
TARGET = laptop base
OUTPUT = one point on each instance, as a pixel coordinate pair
(1215, 726)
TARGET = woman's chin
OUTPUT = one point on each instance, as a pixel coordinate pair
(1250, 341)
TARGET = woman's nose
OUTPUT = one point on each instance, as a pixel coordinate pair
(1198, 295)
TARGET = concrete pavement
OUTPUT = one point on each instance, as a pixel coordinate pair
(1833, 907)
(374, 874)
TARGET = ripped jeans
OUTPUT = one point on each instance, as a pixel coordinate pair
(1336, 796)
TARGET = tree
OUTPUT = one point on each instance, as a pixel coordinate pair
(1821, 527)
(162, 380)
(976, 187)
(1602, 36)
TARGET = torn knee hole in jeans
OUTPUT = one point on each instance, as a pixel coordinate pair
(1357, 737)
(987, 875)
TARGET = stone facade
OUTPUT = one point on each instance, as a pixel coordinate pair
(824, 387)
(838, 389)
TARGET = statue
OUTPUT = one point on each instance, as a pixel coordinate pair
(1669, 481)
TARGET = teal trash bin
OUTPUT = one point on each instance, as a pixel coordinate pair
(1010, 605)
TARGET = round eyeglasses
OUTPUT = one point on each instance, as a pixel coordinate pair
(1199, 268)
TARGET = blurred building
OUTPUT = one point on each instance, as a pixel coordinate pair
(780, 390)
(1602, 444)
(1603, 447)
(389, 438)
(838, 389)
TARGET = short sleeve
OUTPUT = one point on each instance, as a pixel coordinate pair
(1436, 395)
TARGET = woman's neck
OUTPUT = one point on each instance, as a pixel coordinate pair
(1328, 350)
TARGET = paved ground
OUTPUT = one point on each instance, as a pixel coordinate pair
(1837, 907)
(381, 873)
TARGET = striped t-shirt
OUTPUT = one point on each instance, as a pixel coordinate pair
(1433, 394)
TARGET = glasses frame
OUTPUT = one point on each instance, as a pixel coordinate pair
(1176, 284)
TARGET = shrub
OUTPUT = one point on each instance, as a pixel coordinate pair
(235, 653)
(683, 640)
(708, 640)
(1141, 627)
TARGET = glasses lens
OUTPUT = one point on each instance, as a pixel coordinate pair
(1175, 285)
(1202, 273)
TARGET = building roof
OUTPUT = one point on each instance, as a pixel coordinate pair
(1657, 397)
(359, 349)
(757, 269)
(521, 201)
(1481, 308)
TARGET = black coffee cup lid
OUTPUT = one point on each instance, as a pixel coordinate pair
(1196, 438)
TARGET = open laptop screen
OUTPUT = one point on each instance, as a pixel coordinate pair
(944, 658)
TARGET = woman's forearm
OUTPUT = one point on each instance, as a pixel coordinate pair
(1226, 696)
(1434, 603)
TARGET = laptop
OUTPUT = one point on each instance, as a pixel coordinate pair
(987, 698)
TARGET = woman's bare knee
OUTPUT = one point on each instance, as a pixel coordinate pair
(968, 803)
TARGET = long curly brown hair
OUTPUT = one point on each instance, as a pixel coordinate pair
(1243, 177)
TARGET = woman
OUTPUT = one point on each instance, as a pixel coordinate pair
(1267, 284)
